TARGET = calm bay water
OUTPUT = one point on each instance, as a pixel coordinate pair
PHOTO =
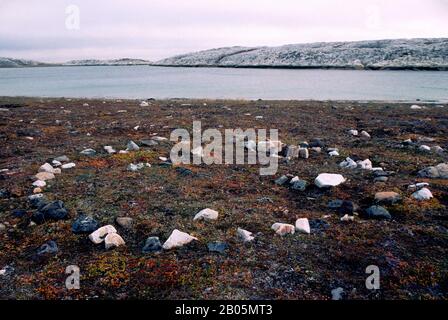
(166, 82)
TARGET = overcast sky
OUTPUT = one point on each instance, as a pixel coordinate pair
(47, 30)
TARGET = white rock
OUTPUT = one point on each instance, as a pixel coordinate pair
(334, 153)
(35, 196)
(44, 176)
(245, 235)
(68, 165)
(163, 158)
(422, 194)
(159, 139)
(144, 104)
(304, 153)
(424, 148)
(109, 149)
(353, 132)
(206, 214)
(136, 128)
(113, 240)
(283, 229)
(296, 178)
(46, 168)
(418, 185)
(85, 104)
(365, 134)
(303, 225)
(56, 163)
(348, 164)
(416, 107)
(325, 180)
(57, 170)
(123, 152)
(98, 236)
(177, 239)
(39, 183)
(347, 218)
(366, 164)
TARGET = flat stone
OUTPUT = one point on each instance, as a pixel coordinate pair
(84, 225)
(62, 159)
(39, 183)
(44, 176)
(113, 240)
(46, 168)
(377, 212)
(148, 143)
(98, 236)
(303, 225)
(206, 214)
(109, 149)
(387, 197)
(177, 239)
(88, 152)
(282, 180)
(132, 146)
(365, 134)
(125, 222)
(283, 229)
(422, 194)
(152, 245)
(333, 153)
(438, 172)
(245, 235)
(299, 185)
(325, 180)
(336, 294)
(68, 165)
(218, 246)
(381, 179)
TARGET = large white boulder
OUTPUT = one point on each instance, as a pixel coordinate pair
(325, 180)
(245, 235)
(178, 239)
(113, 240)
(206, 214)
(98, 236)
(422, 194)
(283, 229)
(303, 225)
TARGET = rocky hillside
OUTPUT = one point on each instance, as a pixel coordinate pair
(114, 62)
(17, 63)
(423, 54)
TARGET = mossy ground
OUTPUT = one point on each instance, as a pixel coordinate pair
(410, 250)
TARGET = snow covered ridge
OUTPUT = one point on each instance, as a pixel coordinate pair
(19, 63)
(423, 54)
(114, 62)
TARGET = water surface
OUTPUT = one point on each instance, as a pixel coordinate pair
(216, 83)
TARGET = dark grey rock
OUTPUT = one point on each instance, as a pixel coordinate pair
(219, 247)
(152, 244)
(438, 172)
(381, 179)
(299, 185)
(62, 159)
(19, 213)
(84, 225)
(317, 143)
(335, 204)
(48, 248)
(54, 210)
(184, 171)
(378, 212)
